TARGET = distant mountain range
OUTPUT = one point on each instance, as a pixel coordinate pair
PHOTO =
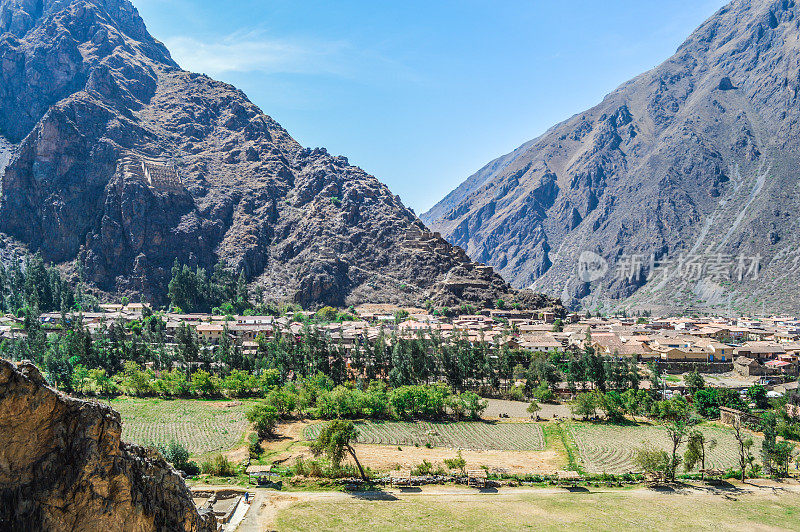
(115, 162)
(679, 191)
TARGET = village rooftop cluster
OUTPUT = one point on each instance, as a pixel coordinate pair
(763, 347)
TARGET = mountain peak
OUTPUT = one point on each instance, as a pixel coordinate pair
(691, 159)
(123, 163)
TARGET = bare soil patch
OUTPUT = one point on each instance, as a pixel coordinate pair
(386, 458)
(519, 410)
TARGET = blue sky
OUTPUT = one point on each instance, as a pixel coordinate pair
(422, 93)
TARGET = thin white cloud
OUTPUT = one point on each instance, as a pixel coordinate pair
(253, 51)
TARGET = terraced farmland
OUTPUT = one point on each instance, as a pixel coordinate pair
(475, 436)
(610, 449)
(201, 426)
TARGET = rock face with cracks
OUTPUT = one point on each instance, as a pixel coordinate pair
(63, 466)
(115, 159)
(683, 181)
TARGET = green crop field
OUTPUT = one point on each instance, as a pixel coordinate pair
(477, 436)
(201, 426)
(610, 448)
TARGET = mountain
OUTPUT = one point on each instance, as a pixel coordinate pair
(678, 191)
(115, 162)
(64, 467)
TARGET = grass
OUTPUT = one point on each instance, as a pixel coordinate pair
(202, 426)
(560, 440)
(616, 510)
(472, 435)
(610, 448)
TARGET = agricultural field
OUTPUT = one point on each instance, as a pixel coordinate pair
(200, 426)
(610, 448)
(471, 435)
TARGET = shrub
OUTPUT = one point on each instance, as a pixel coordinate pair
(218, 466)
(326, 314)
(517, 393)
(175, 453)
(425, 468)
(190, 468)
(544, 394)
(654, 462)
(264, 418)
(456, 463)
(310, 468)
(255, 448)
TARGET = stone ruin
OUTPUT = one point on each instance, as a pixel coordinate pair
(158, 175)
(425, 240)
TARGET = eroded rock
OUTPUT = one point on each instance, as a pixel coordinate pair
(63, 466)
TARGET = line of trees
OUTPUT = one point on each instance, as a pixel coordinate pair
(196, 291)
(31, 284)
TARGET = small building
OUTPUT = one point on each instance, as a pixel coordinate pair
(760, 350)
(751, 367)
(211, 332)
(686, 354)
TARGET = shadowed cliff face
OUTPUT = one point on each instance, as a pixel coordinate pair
(687, 173)
(104, 124)
(63, 467)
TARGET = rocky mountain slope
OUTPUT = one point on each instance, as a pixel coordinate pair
(121, 161)
(678, 191)
(63, 467)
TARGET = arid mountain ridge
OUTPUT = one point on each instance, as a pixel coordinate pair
(687, 172)
(115, 159)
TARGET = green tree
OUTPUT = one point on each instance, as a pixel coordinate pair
(100, 381)
(744, 443)
(543, 393)
(336, 439)
(758, 394)
(203, 383)
(264, 418)
(694, 381)
(677, 419)
(696, 448)
(80, 377)
(612, 405)
(585, 405)
(653, 462)
(326, 314)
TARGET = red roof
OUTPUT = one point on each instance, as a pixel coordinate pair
(777, 363)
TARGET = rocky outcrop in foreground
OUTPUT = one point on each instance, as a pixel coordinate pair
(63, 466)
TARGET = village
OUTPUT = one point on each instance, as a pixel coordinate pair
(740, 350)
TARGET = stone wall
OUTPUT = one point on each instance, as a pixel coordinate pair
(675, 367)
